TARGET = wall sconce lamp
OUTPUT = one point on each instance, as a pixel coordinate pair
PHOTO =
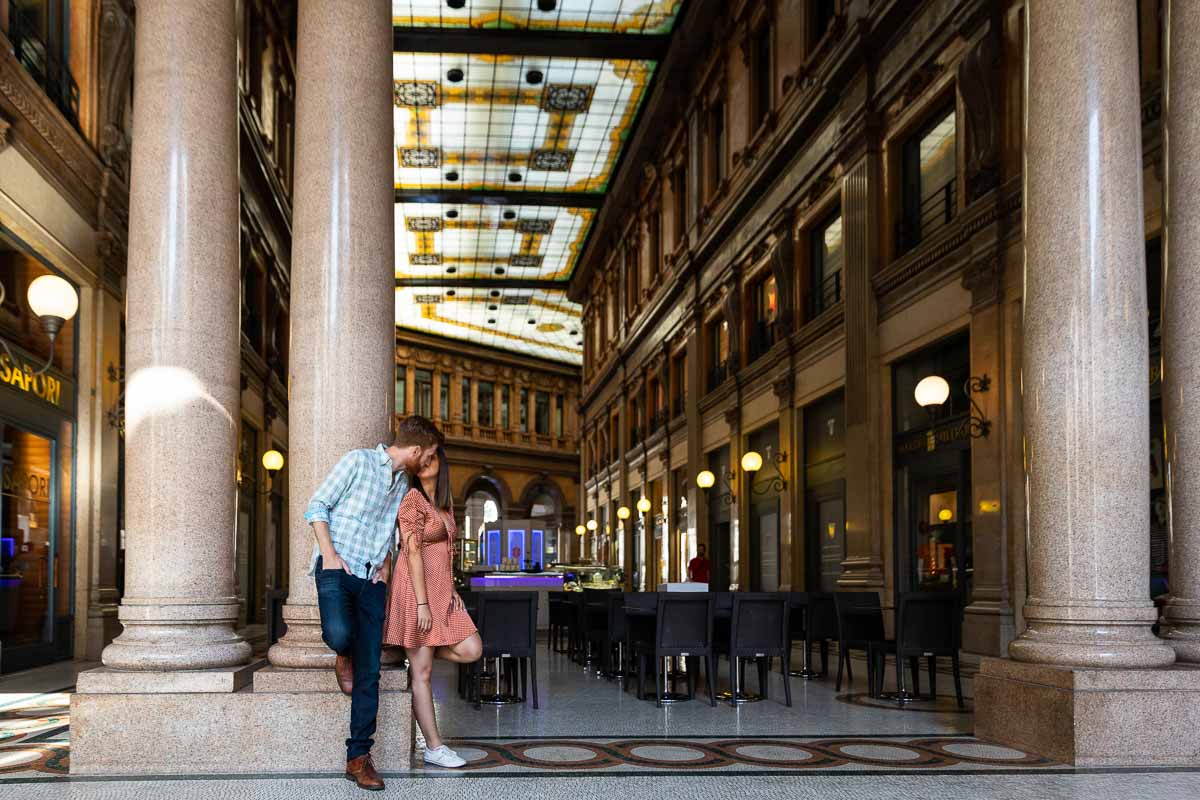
(579, 530)
(592, 525)
(623, 513)
(643, 505)
(54, 301)
(933, 391)
(272, 462)
(752, 462)
(706, 479)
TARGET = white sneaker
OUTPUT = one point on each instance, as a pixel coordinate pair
(443, 757)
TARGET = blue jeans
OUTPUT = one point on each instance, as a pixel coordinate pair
(352, 625)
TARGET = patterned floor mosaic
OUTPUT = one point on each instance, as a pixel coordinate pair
(746, 755)
(34, 734)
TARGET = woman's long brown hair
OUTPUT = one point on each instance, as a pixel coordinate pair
(442, 498)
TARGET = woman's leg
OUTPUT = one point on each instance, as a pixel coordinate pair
(421, 663)
(467, 651)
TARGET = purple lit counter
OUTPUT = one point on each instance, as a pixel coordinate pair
(542, 583)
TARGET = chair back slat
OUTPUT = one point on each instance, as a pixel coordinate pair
(759, 623)
(685, 623)
(508, 623)
(928, 622)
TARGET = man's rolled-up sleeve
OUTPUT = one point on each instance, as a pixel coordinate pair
(331, 490)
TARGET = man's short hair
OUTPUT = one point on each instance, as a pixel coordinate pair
(417, 430)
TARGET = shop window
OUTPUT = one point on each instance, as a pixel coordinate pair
(718, 352)
(928, 181)
(715, 142)
(423, 392)
(678, 384)
(761, 56)
(826, 266)
(541, 413)
(485, 400)
(444, 396)
(825, 490)
(39, 32)
(766, 311)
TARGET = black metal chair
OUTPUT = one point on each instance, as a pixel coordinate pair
(609, 638)
(594, 620)
(928, 625)
(508, 627)
(683, 629)
(561, 611)
(637, 629)
(798, 628)
(759, 629)
(860, 627)
(822, 627)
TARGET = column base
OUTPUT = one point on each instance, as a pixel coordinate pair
(280, 722)
(988, 628)
(1180, 628)
(302, 646)
(1090, 717)
(164, 635)
(1111, 637)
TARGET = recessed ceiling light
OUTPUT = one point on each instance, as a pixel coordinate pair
(574, 333)
(515, 177)
(492, 307)
(510, 215)
(456, 4)
(495, 292)
(499, 270)
(455, 75)
(451, 176)
(547, 5)
(492, 321)
(451, 270)
(451, 214)
(450, 293)
(531, 321)
(534, 76)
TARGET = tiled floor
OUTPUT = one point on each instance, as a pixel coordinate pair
(590, 739)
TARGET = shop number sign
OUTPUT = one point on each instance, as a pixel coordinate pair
(21, 376)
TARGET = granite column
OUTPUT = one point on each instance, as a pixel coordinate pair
(1085, 344)
(343, 308)
(1181, 323)
(183, 355)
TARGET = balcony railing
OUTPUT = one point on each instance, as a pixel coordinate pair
(826, 295)
(935, 211)
(44, 65)
(762, 337)
(717, 375)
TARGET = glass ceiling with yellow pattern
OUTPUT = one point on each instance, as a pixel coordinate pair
(510, 119)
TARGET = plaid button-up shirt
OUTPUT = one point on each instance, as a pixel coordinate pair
(359, 500)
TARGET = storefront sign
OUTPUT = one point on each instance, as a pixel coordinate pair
(21, 376)
(25, 484)
(930, 440)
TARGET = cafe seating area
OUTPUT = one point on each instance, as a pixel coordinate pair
(665, 647)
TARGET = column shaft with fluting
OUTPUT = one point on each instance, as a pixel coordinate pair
(342, 381)
(1181, 324)
(183, 356)
(1085, 346)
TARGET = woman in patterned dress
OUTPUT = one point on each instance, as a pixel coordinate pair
(424, 613)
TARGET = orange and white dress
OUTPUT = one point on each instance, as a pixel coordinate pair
(423, 525)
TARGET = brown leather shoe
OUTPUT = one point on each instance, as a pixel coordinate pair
(362, 771)
(344, 668)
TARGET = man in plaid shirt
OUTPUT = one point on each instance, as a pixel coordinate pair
(353, 513)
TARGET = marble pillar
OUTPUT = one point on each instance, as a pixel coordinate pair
(183, 355)
(1085, 345)
(343, 308)
(1181, 323)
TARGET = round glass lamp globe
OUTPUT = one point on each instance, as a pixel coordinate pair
(706, 479)
(51, 296)
(592, 525)
(579, 529)
(932, 391)
(643, 505)
(945, 515)
(623, 512)
(751, 462)
(272, 460)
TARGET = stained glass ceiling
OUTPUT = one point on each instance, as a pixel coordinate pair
(510, 118)
(592, 16)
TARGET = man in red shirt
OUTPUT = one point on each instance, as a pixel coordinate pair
(698, 566)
